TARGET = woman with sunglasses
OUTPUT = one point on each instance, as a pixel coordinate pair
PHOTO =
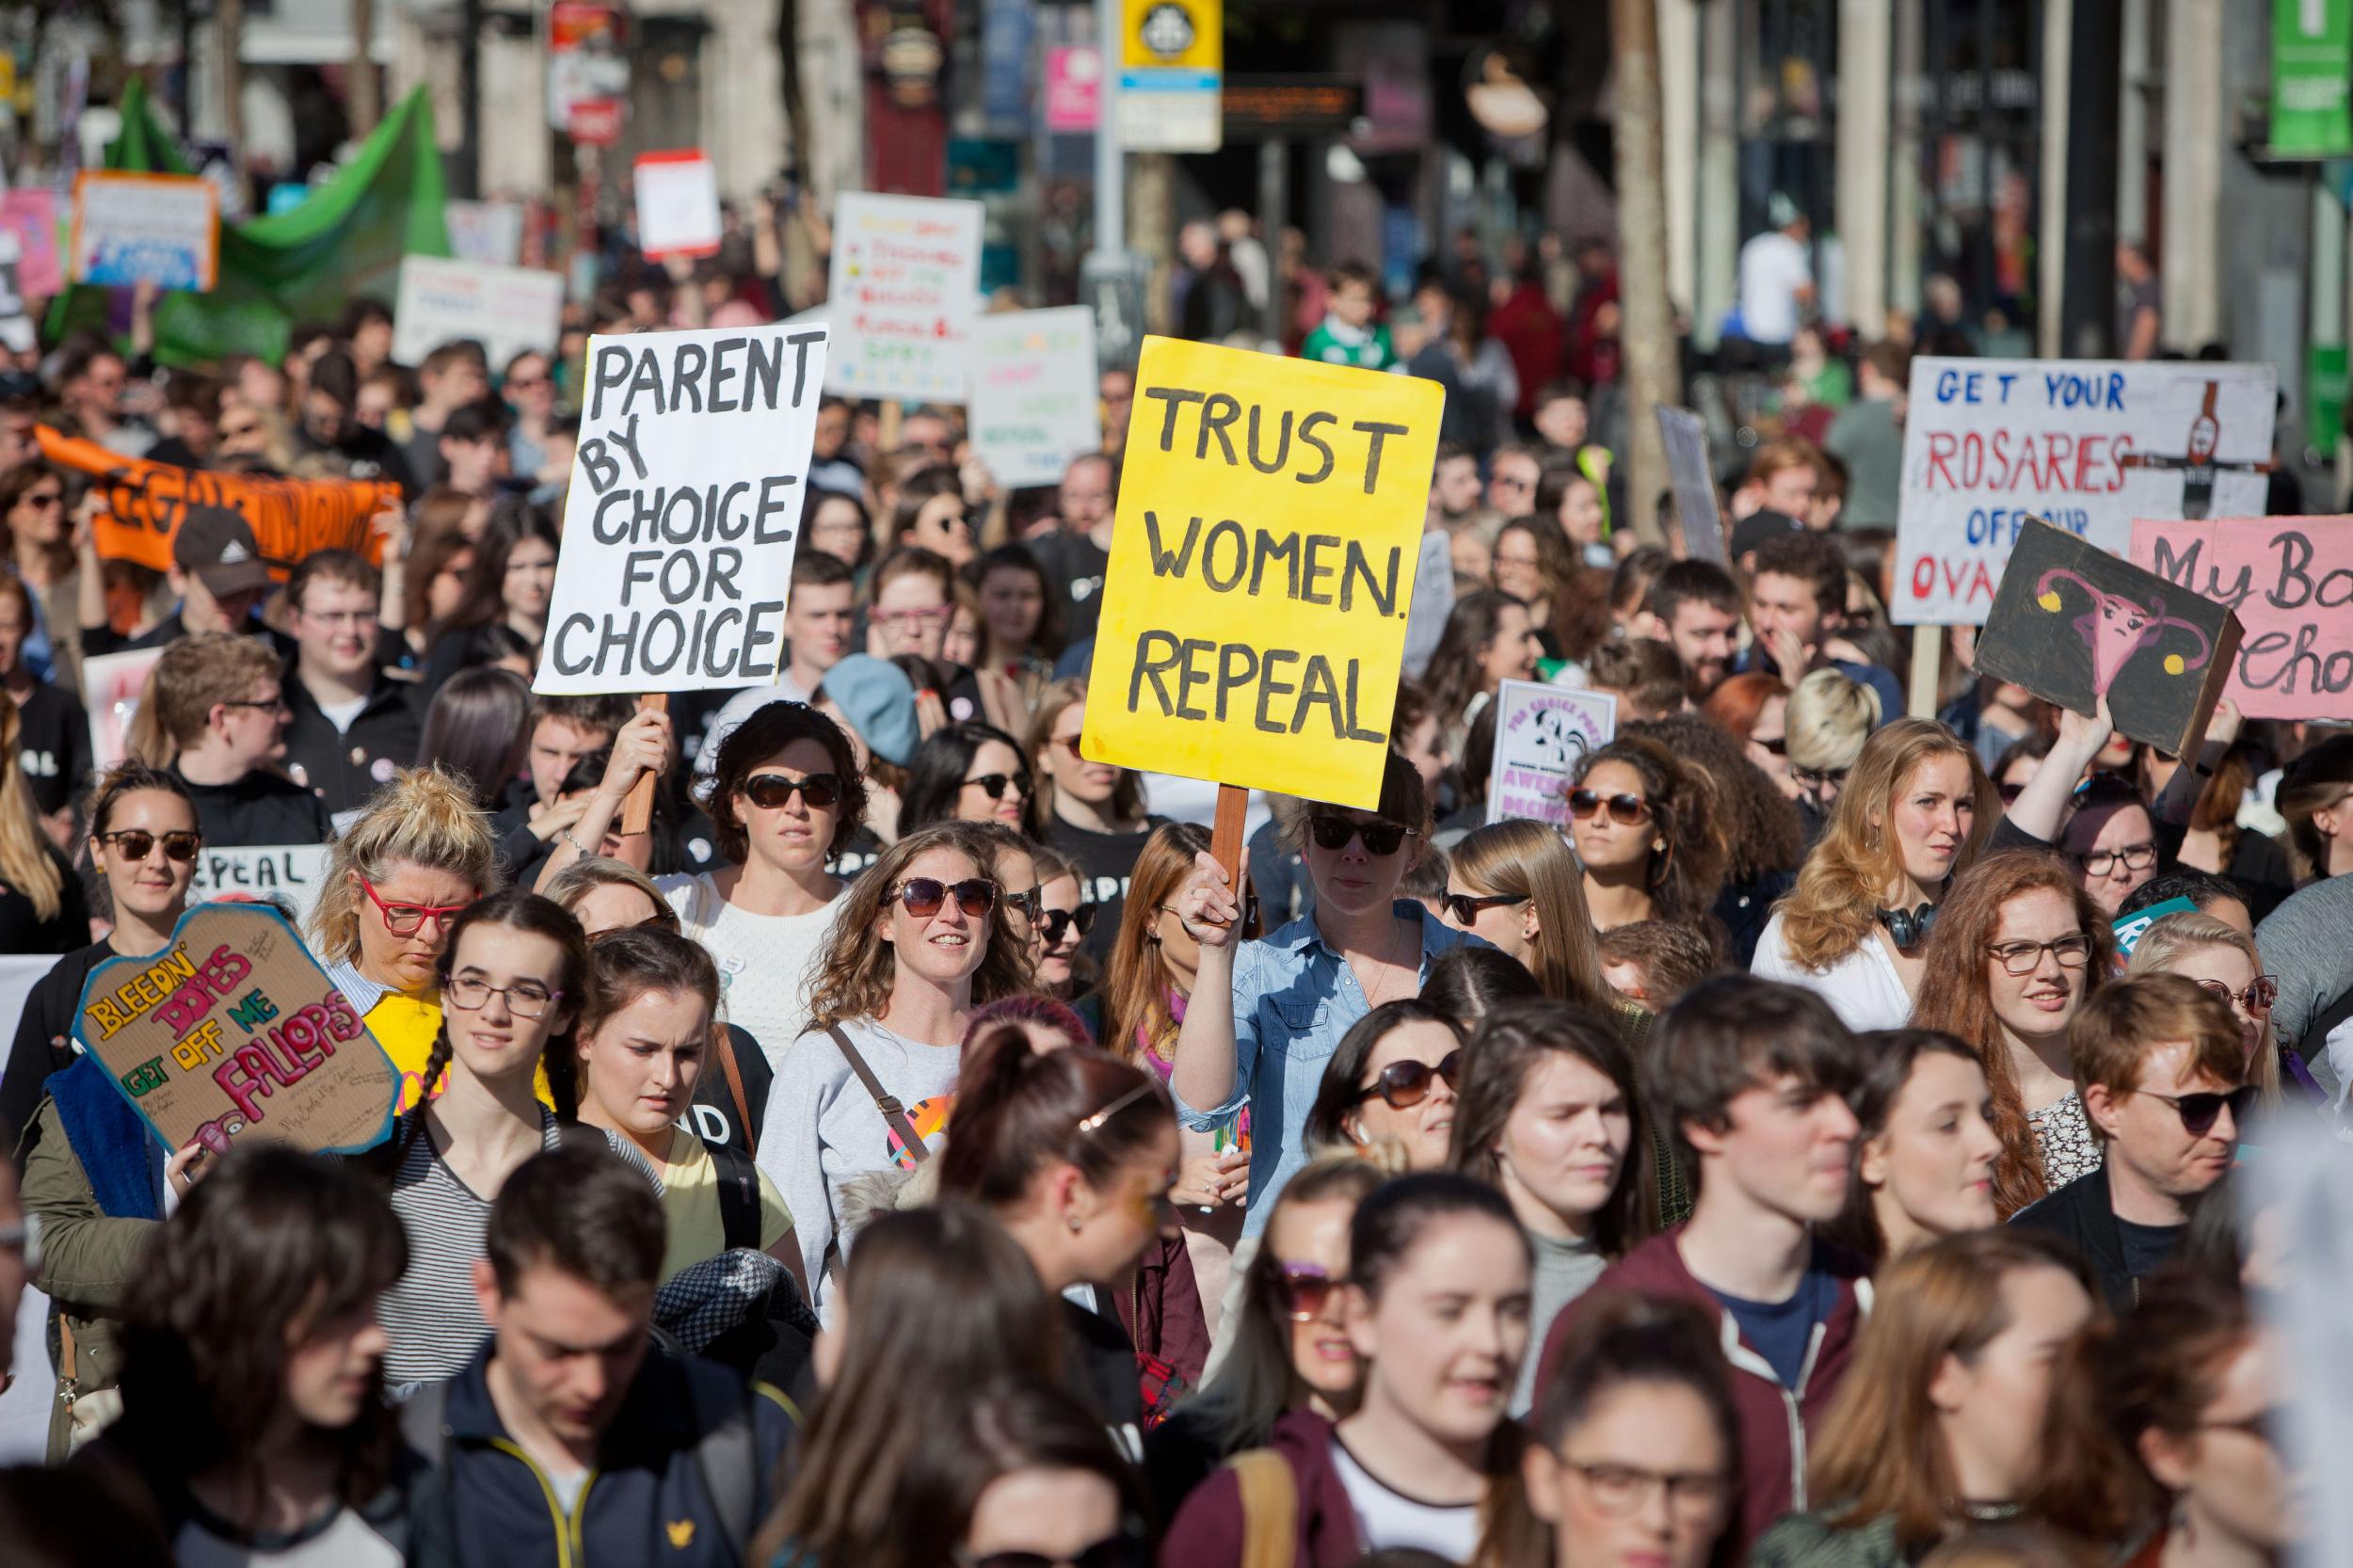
(40, 554)
(1093, 812)
(1284, 1347)
(1074, 1152)
(1267, 1014)
(1064, 918)
(969, 772)
(1388, 1093)
(1826, 722)
(394, 884)
(1517, 883)
(1552, 1120)
(513, 980)
(1914, 814)
(931, 512)
(1436, 1309)
(2017, 947)
(1645, 825)
(1753, 708)
(2223, 960)
(918, 942)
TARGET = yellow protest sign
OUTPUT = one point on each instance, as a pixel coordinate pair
(1261, 570)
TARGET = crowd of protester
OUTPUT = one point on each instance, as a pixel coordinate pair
(914, 1148)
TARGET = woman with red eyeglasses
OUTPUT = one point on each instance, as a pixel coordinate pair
(1644, 825)
(1388, 1093)
(393, 885)
(920, 940)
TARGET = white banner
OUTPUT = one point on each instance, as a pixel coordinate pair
(683, 509)
(1542, 733)
(904, 289)
(505, 308)
(1033, 406)
(288, 876)
(2086, 444)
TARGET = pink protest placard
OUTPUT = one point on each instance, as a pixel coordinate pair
(31, 216)
(1074, 88)
(2291, 581)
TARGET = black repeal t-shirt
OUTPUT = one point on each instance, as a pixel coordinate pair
(1106, 861)
(52, 746)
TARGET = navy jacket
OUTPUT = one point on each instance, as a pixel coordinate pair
(482, 1503)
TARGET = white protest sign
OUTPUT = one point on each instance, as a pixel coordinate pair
(1033, 406)
(904, 289)
(683, 509)
(486, 232)
(1686, 435)
(2087, 445)
(677, 204)
(1542, 733)
(290, 874)
(505, 308)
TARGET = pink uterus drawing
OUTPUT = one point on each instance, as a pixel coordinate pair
(2116, 627)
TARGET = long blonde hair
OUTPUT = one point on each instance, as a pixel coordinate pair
(2170, 940)
(26, 861)
(1832, 909)
(424, 817)
(856, 968)
(1530, 861)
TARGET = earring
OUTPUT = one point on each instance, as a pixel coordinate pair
(1076, 1224)
(1657, 846)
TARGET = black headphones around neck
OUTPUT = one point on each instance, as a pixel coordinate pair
(1909, 928)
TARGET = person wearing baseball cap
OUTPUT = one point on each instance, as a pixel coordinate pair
(216, 570)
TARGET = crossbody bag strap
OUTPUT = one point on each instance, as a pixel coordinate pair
(735, 1081)
(892, 1111)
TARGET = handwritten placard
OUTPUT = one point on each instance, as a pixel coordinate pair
(1034, 390)
(905, 288)
(2291, 581)
(1542, 733)
(505, 308)
(233, 1031)
(163, 229)
(287, 875)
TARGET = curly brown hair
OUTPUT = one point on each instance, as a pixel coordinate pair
(1763, 831)
(1683, 877)
(856, 968)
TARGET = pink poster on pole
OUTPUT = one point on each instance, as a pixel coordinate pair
(1074, 88)
(32, 216)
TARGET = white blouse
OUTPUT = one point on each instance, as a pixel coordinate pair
(1863, 987)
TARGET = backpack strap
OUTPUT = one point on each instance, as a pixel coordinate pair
(1270, 1509)
(725, 1038)
(739, 1194)
(892, 1111)
(727, 1456)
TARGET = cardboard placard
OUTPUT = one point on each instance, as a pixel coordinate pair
(31, 216)
(1033, 394)
(2086, 445)
(1695, 481)
(683, 511)
(1542, 733)
(235, 1032)
(2291, 581)
(163, 229)
(2072, 622)
(1262, 573)
(290, 518)
(112, 684)
(677, 204)
(287, 875)
(505, 308)
(904, 289)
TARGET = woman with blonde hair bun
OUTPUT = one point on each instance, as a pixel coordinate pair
(419, 854)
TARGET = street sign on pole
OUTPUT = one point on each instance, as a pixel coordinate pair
(1172, 58)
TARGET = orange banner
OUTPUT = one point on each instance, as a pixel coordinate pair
(290, 518)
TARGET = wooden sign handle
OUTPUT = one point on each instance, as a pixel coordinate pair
(1225, 835)
(637, 810)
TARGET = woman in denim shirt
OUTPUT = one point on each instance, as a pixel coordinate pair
(1297, 991)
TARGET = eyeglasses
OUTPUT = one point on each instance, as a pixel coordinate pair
(339, 618)
(2009, 793)
(1809, 778)
(1025, 905)
(1626, 810)
(43, 499)
(994, 785)
(407, 920)
(525, 383)
(771, 791)
(924, 896)
(1304, 1289)
(1464, 907)
(1068, 744)
(525, 999)
(1622, 1490)
(1056, 921)
(1380, 838)
(135, 845)
(1777, 746)
(1511, 482)
(2260, 993)
(1406, 1085)
(2200, 1111)
(2101, 862)
(1124, 1550)
(274, 705)
(2073, 952)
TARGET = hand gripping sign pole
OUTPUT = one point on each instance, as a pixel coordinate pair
(1261, 572)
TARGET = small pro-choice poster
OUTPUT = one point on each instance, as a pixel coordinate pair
(235, 1030)
(2086, 445)
(684, 510)
(1542, 733)
(904, 289)
(2291, 581)
(163, 229)
(1033, 394)
(1261, 575)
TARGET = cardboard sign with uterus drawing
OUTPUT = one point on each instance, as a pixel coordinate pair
(2073, 623)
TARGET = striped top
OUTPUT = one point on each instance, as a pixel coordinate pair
(430, 1312)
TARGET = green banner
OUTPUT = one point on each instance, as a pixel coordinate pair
(2323, 394)
(2312, 78)
(304, 265)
